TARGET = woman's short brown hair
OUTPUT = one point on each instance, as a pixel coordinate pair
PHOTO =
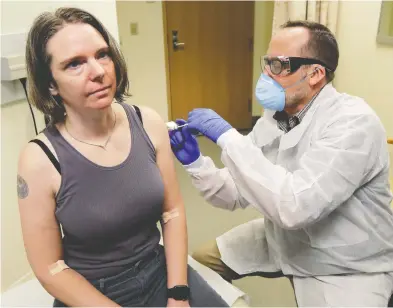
(39, 75)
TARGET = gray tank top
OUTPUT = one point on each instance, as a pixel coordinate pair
(108, 215)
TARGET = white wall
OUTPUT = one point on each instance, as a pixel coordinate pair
(17, 129)
(17, 16)
(144, 53)
(365, 67)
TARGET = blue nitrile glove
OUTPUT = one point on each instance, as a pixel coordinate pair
(208, 123)
(184, 144)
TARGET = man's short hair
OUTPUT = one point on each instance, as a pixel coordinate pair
(322, 44)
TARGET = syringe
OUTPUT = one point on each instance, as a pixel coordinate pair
(172, 125)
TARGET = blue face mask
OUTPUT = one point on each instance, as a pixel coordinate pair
(270, 94)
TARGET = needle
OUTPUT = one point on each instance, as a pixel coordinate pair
(182, 125)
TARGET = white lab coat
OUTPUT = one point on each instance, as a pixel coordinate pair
(322, 188)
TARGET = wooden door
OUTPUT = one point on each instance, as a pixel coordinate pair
(213, 69)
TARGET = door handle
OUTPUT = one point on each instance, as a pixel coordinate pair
(175, 43)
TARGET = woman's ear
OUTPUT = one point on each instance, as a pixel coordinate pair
(53, 89)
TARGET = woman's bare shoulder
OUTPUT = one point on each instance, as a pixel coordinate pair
(33, 159)
(154, 126)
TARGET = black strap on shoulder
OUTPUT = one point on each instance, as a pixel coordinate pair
(48, 153)
(138, 112)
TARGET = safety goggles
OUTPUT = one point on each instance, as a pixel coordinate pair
(287, 65)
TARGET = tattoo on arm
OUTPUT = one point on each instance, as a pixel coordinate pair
(22, 188)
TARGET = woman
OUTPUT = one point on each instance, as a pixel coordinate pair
(103, 171)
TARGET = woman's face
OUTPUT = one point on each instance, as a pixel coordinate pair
(82, 67)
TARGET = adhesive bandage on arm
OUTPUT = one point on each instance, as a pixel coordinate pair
(167, 216)
(57, 267)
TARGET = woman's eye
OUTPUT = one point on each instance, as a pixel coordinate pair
(103, 55)
(74, 64)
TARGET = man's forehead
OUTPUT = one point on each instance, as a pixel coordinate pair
(288, 42)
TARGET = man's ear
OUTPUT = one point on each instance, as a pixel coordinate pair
(53, 89)
(317, 75)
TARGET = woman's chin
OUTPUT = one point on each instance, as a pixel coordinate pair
(101, 103)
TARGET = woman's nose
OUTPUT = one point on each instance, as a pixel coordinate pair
(96, 70)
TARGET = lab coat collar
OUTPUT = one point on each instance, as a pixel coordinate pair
(266, 129)
(293, 137)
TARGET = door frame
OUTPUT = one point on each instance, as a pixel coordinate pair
(166, 54)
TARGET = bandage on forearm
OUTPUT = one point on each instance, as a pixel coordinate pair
(57, 267)
(167, 216)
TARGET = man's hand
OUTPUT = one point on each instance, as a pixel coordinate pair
(208, 123)
(184, 145)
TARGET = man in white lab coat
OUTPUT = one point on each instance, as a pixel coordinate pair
(315, 165)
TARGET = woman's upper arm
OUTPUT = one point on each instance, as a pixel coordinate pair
(41, 232)
(158, 133)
